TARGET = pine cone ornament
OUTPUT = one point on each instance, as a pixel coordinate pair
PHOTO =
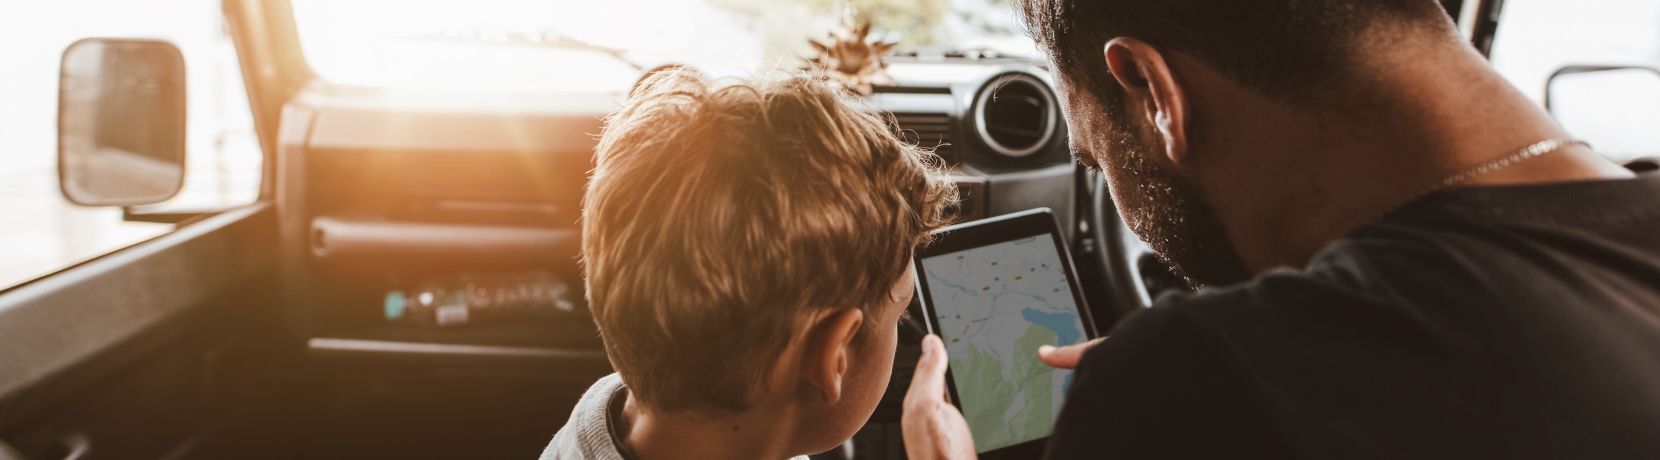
(851, 61)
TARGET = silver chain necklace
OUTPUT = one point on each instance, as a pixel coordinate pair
(1532, 151)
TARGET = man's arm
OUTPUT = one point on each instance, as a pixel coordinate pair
(1160, 388)
(1157, 389)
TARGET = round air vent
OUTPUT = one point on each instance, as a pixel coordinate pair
(1015, 115)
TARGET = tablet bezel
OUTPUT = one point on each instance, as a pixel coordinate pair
(981, 233)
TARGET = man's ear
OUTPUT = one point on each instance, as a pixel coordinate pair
(1147, 79)
(830, 351)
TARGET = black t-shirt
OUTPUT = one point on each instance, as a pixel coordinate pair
(1491, 322)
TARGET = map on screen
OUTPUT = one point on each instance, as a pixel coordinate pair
(995, 305)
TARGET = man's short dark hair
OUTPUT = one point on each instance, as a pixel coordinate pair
(1285, 48)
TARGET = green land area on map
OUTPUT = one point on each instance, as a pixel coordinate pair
(986, 397)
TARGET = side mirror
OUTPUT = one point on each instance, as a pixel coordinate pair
(121, 122)
(1616, 108)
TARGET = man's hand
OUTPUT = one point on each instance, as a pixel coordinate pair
(1066, 357)
(934, 429)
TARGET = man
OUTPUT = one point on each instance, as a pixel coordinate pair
(1407, 257)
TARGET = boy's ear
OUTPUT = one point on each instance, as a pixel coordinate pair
(830, 350)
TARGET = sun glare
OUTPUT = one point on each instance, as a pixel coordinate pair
(510, 45)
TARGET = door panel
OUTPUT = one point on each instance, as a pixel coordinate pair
(66, 333)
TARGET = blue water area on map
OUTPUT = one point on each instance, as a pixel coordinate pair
(1066, 328)
(1064, 325)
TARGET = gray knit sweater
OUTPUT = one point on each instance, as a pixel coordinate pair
(587, 435)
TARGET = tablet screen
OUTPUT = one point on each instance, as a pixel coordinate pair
(995, 305)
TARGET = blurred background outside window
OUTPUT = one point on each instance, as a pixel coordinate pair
(1619, 113)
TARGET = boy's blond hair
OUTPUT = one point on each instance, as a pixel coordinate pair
(719, 217)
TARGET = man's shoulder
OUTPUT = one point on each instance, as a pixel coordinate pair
(1358, 306)
(1382, 276)
(1362, 295)
(587, 435)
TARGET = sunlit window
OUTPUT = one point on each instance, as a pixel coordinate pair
(604, 46)
(1617, 113)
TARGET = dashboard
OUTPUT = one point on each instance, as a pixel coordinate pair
(996, 122)
(379, 190)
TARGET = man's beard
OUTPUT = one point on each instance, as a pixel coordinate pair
(1169, 212)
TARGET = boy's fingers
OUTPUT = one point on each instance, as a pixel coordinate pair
(1066, 357)
(933, 428)
(929, 379)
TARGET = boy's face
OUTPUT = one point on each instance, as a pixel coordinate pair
(872, 364)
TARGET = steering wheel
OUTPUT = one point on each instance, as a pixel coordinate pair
(1119, 273)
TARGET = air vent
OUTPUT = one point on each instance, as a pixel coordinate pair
(1015, 115)
(928, 130)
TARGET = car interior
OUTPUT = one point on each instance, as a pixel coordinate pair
(294, 327)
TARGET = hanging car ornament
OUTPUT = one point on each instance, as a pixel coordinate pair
(850, 60)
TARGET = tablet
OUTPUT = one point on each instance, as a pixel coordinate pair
(995, 290)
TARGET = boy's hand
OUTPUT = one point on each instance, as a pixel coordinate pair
(934, 429)
(1066, 357)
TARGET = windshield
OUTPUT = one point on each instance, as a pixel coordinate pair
(604, 46)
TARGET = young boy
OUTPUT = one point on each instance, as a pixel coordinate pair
(747, 250)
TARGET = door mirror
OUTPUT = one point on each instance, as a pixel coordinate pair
(121, 122)
(1615, 108)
